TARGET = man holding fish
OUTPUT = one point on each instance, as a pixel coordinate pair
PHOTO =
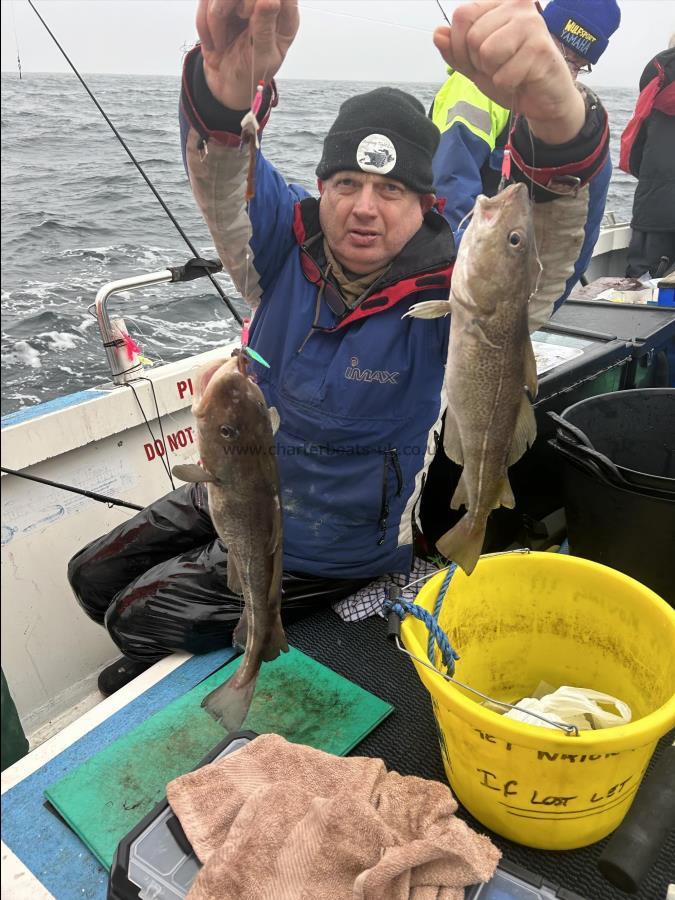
(475, 129)
(359, 383)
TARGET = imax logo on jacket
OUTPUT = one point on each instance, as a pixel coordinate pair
(354, 373)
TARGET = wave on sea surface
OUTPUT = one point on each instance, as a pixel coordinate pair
(76, 215)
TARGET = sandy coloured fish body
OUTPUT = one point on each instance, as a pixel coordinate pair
(236, 443)
(490, 367)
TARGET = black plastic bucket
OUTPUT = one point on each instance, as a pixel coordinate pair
(619, 483)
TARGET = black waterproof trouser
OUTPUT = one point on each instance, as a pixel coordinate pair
(158, 582)
(647, 249)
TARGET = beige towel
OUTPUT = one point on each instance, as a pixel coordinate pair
(281, 821)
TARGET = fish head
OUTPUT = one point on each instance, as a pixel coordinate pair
(497, 256)
(231, 412)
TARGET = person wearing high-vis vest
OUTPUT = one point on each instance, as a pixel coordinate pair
(475, 130)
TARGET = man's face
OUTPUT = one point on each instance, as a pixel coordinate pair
(575, 63)
(368, 219)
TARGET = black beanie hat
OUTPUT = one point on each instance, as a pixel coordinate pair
(386, 132)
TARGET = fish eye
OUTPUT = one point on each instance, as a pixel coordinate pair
(229, 431)
(515, 239)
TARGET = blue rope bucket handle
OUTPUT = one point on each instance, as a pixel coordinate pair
(398, 609)
(437, 637)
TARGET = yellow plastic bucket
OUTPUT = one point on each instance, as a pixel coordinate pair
(524, 618)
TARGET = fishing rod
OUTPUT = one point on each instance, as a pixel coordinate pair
(101, 498)
(227, 300)
(16, 41)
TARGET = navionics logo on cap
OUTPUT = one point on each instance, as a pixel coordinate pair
(376, 153)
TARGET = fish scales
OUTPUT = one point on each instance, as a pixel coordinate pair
(236, 442)
(490, 369)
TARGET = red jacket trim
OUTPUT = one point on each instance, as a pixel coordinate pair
(227, 138)
(393, 294)
(543, 176)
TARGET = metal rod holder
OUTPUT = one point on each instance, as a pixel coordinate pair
(121, 376)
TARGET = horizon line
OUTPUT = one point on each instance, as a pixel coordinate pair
(13, 72)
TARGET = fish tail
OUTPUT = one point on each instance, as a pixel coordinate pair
(229, 703)
(463, 543)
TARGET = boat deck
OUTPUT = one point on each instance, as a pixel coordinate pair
(42, 858)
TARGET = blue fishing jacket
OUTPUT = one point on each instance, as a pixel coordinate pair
(359, 393)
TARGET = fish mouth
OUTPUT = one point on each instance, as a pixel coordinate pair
(489, 209)
(235, 364)
(206, 374)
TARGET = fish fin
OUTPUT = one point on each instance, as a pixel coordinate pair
(276, 534)
(276, 642)
(524, 433)
(191, 472)
(530, 370)
(505, 497)
(274, 419)
(240, 633)
(452, 441)
(461, 495)
(463, 543)
(229, 703)
(233, 577)
(430, 309)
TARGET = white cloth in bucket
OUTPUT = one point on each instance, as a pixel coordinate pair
(369, 601)
(582, 707)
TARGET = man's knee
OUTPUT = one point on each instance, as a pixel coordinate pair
(85, 587)
(132, 637)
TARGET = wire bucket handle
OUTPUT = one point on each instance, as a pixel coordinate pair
(398, 608)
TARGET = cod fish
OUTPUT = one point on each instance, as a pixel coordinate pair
(236, 443)
(490, 367)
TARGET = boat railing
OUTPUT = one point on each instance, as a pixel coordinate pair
(123, 354)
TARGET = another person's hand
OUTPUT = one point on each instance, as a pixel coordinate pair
(505, 48)
(244, 42)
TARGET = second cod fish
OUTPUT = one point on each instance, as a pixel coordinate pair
(490, 367)
(236, 443)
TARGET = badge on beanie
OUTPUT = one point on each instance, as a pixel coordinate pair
(376, 153)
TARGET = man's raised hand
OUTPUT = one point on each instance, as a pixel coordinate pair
(244, 42)
(505, 48)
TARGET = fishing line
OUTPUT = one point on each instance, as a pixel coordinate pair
(529, 176)
(532, 188)
(165, 463)
(329, 12)
(463, 220)
(193, 250)
(536, 248)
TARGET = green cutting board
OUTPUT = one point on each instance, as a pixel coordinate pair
(297, 697)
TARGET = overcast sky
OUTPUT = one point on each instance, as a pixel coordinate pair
(360, 40)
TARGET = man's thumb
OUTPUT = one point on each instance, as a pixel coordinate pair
(443, 42)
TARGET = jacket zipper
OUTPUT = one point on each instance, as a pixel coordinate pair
(390, 461)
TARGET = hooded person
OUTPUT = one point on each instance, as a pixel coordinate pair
(357, 387)
(475, 129)
(647, 153)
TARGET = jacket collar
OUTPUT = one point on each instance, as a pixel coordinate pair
(424, 265)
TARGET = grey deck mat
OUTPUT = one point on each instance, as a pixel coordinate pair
(407, 742)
